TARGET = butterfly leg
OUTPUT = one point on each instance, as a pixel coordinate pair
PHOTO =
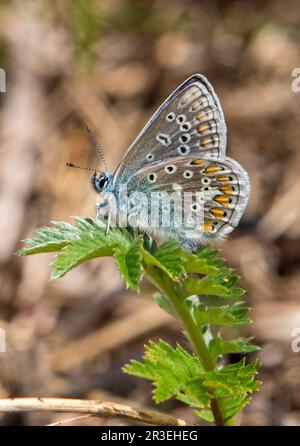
(108, 224)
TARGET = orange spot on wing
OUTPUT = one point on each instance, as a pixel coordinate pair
(217, 212)
(226, 189)
(197, 162)
(212, 169)
(202, 128)
(208, 226)
(206, 141)
(223, 179)
(222, 200)
(200, 116)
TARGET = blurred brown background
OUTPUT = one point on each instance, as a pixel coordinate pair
(111, 63)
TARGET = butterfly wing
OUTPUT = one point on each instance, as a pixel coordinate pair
(221, 185)
(190, 121)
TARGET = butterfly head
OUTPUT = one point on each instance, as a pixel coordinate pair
(101, 181)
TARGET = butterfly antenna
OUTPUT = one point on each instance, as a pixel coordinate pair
(83, 168)
(94, 142)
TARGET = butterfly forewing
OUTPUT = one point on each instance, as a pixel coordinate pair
(189, 122)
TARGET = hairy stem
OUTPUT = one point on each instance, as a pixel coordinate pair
(193, 333)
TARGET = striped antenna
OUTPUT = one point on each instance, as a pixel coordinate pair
(83, 168)
(94, 142)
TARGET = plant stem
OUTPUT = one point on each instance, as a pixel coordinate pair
(193, 332)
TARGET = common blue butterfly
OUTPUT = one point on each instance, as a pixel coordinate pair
(181, 148)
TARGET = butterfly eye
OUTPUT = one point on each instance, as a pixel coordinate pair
(102, 183)
(170, 117)
(99, 182)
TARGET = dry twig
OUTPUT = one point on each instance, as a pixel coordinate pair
(105, 409)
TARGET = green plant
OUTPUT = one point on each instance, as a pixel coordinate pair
(185, 283)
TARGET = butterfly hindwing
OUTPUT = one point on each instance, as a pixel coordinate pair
(221, 187)
(189, 122)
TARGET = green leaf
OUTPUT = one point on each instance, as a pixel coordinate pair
(232, 385)
(50, 239)
(169, 258)
(231, 406)
(203, 261)
(150, 244)
(218, 346)
(228, 280)
(235, 379)
(92, 242)
(206, 286)
(129, 262)
(209, 254)
(86, 241)
(169, 369)
(195, 394)
(205, 414)
(196, 264)
(176, 373)
(226, 315)
(220, 284)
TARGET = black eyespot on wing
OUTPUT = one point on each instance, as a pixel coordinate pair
(181, 118)
(170, 117)
(184, 138)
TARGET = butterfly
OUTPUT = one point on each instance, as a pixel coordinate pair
(182, 149)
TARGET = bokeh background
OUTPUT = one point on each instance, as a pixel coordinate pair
(111, 63)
